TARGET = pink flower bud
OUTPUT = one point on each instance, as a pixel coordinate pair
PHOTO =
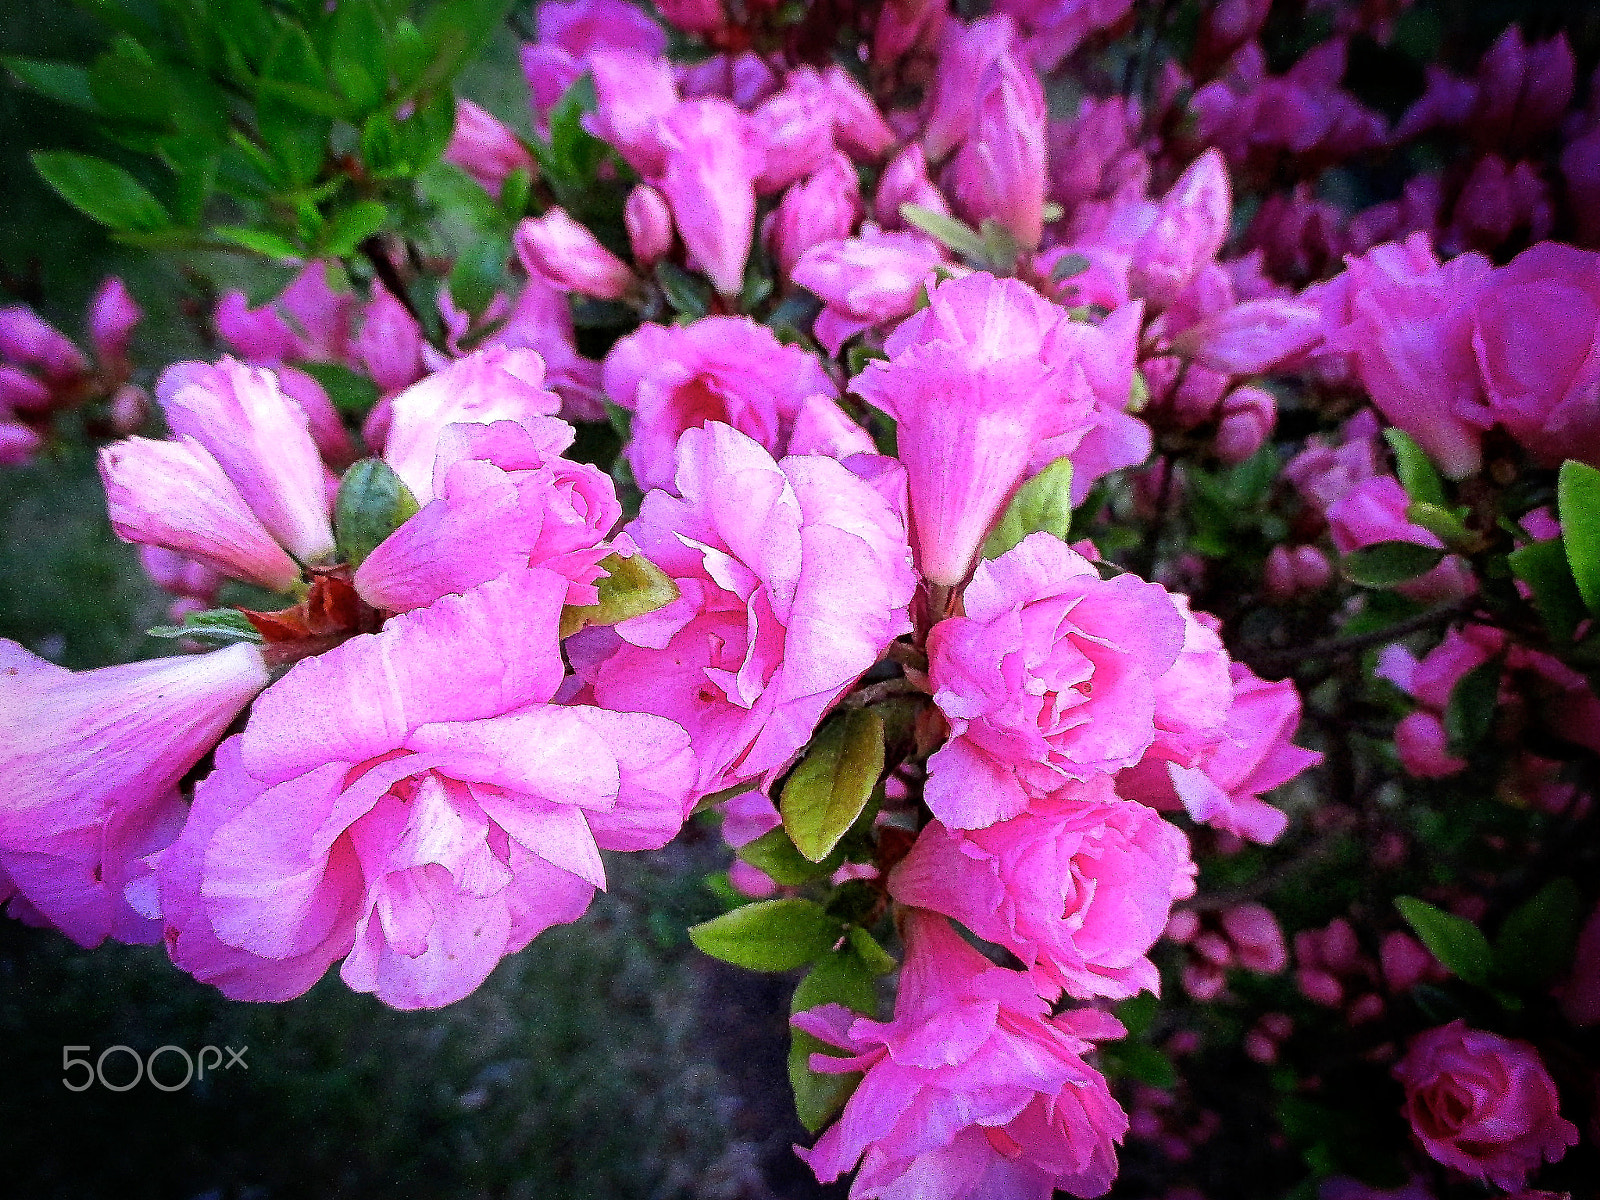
(1203, 981)
(1182, 926)
(181, 576)
(751, 881)
(858, 126)
(19, 390)
(484, 148)
(635, 92)
(794, 129)
(820, 209)
(1278, 575)
(1189, 229)
(1277, 1025)
(568, 255)
(709, 183)
(693, 16)
(966, 52)
(1365, 1009)
(1214, 949)
(1339, 949)
(18, 443)
(905, 26)
(390, 342)
(1248, 415)
(905, 181)
(649, 223)
(1319, 987)
(1256, 937)
(112, 316)
(1405, 963)
(1252, 338)
(1259, 1047)
(1424, 747)
(28, 340)
(1313, 571)
(129, 408)
(1580, 167)
(999, 172)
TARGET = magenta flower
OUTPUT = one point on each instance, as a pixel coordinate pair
(484, 148)
(793, 577)
(569, 256)
(1050, 677)
(635, 93)
(1079, 887)
(988, 370)
(818, 209)
(1190, 225)
(571, 30)
(865, 280)
(308, 321)
(966, 52)
(973, 1090)
(999, 171)
(905, 181)
(1482, 1104)
(413, 803)
(1375, 511)
(1055, 28)
(89, 765)
(390, 345)
(28, 340)
(709, 179)
(726, 369)
(649, 223)
(505, 500)
(113, 316)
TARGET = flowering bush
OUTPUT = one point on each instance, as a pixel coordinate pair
(1084, 497)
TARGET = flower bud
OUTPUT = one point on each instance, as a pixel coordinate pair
(129, 407)
(568, 255)
(999, 172)
(709, 183)
(112, 316)
(18, 443)
(649, 223)
(1248, 415)
(905, 181)
(820, 209)
(1188, 231)
(1256, 938)
(19, 390)
(28, 340)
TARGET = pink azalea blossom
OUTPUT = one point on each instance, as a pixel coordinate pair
(90, 763)
(793, 576)
(975, 380)
(1053, 29)
(413, 803)
(28, 340)
(1049, 677)
(999, 171)
(966, 52)
(569, 31)
(973, 1090)
(726, 369)
(709, 182)
(1189, 228)
(1078, 887)
(1482, 1104)
(821, 208)
(649, 223)
(905, 181)
(484, 148)
(635, 93)
(866, 280)
(569, 256)
(309, 321)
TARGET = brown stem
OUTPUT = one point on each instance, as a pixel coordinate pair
(880, 691)
(372, 249)
(1287, 659)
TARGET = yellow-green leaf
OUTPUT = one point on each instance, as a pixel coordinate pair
(827, 791)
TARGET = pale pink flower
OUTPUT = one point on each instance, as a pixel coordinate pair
(1482, 1104)
(308, 321)
(505, 500)
(570, 31)
(390, 345)
(966, 52)
(726, 369)
(90, 763)
(973, 1090)
(1079, 887)
(1049, 677)
(905, 181)
(541, 321)
(793, 576)
(975, 380)
(412, 802)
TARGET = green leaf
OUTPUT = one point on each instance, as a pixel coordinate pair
(632, 587)
(1415, 469)
(1469, 713)
(514, 194)
(127, 83)
(873, 956)
(102, 191)
(770, 935)
(1042, 504)
(352, 226)
(373, 502)
(825, 794)
(1387, 564)
(1440, 522)
(1543, 567)
(479, 272)
(65, 83)
(1578, 493)
(688, 294)
(351, 393)
(1144, 1063)
(1456, 942)
(223, 626)
(775, 855)
(1535, 941)
(1139, 1013)
(357, 52)
(959, 238)
(261, 241)
(841, 978)
(1069, 265)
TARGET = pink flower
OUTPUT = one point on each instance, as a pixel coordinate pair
(972, 1090)
(493, 384)
(1256, 937)
(865, 280)
(569, 256)
(966, 52)
(390, 345)
(1483, 1104)
(1055, 28)
(1190, 226)
(308, 321)
(793, 577)
(484, 148)
(90, 764)
(28, 340)
(263, 443)
(1324, 471)
(1079, 887)
(541, 321)
(1253, 338)
(649, 223)
(1049, 677)
(413, 803)
(1248, 415)
(975, 380)
(907, 26)
(1523, 90)
(905, 181)
(1294, 571)
(569, 31)
(821, 208)
(18, 443)
(726, 369)
(1580, 994)
(999, 171)
(635, 93)
(505, 500)
(693, 16)
(1375, 511)
(1534, 330)
(709, 182)
(1580, 168)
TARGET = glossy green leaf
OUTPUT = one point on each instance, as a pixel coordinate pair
(632, 587)
(352, 226)
(840, 978)
(1388, 564)
(770, 935)
(1543, 567)
(222, 626)
(261, 241)
(1535, 942)
(1579, 499)
(825, 794)
(65, 83)
(102, 191)
(959, 238)
(1456, 942)
(1042, 504)
(373, 502)
(1469, 713)
(1416, 470)
(775, 856)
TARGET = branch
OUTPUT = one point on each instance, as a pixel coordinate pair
(1287, 659)
(373, 249)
